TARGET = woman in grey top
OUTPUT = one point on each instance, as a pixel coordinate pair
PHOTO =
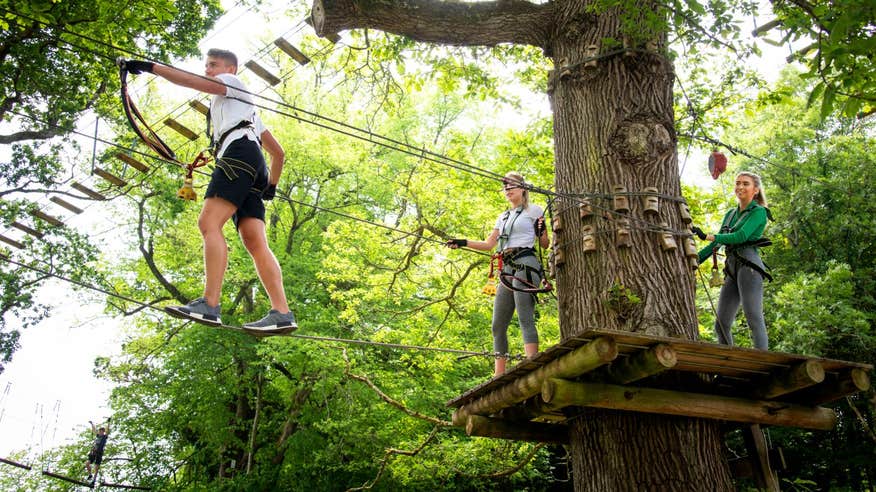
(514, 236)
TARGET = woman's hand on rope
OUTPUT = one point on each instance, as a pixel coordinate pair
(540, 227)
(456, 243)
(136, 67)
(699, 232)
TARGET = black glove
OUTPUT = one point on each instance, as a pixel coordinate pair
(137, 67)
(269, 192)
(699, 232)
(539, 227)
(459, 243)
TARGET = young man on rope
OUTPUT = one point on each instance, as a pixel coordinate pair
(95, 456)
(239, 183)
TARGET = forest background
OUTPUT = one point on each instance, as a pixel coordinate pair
(194, 407)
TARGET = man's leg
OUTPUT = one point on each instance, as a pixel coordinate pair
(214, 215)
(252, 232)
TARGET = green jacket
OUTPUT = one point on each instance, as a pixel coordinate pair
(743, 226)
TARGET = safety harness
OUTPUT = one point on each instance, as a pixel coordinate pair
(734, 249)
(510, 257)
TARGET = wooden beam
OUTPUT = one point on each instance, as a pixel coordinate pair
(112, 178)
(584, 359)
(83, 483)
(122, 486)
(262, 72)
(199, 106)
(642, 364)
(802, 375)
(480, 426)
(181, 129)
(11, 242)
(64, 203)
(560, 393)
(759, 457)
(132, 162)
(292, 51)
(33, 232)
(15, 463)
(88, 191)
(46, 217)
(834, 387)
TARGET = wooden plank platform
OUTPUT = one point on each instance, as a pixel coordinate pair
(636, 372)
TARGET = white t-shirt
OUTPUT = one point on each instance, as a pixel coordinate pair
(227, 111)
(519, 227)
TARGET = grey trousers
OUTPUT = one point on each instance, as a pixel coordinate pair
(743, 286)
(507, 300)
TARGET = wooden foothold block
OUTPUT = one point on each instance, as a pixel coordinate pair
(112, 178)
(262, 72)
(585, 209)
(292, 51)
(181, 129)
(629, 47)
(64, 203)
(624, 238)
(559, 257)
(88, 191)
(651, 201)
(589, 239)
(621, 202)
(132, 162)
(652, 46)
(591, 52)
(199, 107)
(685, 213)
(557, 223)
(690, 248)
(667, 241)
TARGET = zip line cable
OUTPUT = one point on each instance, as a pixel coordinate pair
(123, 297)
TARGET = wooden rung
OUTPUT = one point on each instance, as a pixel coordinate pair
(64, 203)
(182, 130)
(11, 242)
(263, 72)
(46, 217)
(33, 232)
(112, 178)
(132, 162)
(199, 106)
(292, 51)
(333, 37)
(88, 191)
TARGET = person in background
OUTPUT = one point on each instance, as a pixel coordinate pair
(514, 236)
(741, 235)
(95, 456)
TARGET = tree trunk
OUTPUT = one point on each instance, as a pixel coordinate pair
(613, 126)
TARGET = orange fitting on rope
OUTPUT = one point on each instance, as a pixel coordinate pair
(187, 192)
(495, 264)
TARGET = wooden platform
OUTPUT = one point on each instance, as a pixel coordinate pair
(643, 373)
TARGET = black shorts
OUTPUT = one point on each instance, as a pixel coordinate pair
(240, 176)
(95, 457)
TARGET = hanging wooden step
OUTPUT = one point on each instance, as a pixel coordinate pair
(199, 106)
(11, 242)
(181, 129)
(33, 232)
(262, 72)
(143, 168)
(112, 178)
(624, 371)
(64, 203)
(292, 51)
(46, 217)
(88, 191)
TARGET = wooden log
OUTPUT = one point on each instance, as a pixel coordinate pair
(11, 242)
(262, 72)
(292, 51)
(122, 486)
(46, 217)
(834, 387)
(477, 425)
(759, 457)
(88, 191)
(641, 364)
(112, 178)
(802, 375)
(15, 463)
(83, 483)
(181, 129)
(559, 393)
(584, 359)
(64, 203)
(133, 162)
(33, 232)
(199, 107)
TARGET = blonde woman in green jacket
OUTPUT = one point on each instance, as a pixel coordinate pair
(741, 234)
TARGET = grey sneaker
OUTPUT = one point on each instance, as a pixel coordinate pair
(197, 310)
(275, 322)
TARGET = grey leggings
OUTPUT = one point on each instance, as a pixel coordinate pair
(744, 285)
(507, 300)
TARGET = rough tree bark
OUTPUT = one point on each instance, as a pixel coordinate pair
(613, 125)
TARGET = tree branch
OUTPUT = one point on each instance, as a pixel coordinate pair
(444, 22)
(393, 451)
